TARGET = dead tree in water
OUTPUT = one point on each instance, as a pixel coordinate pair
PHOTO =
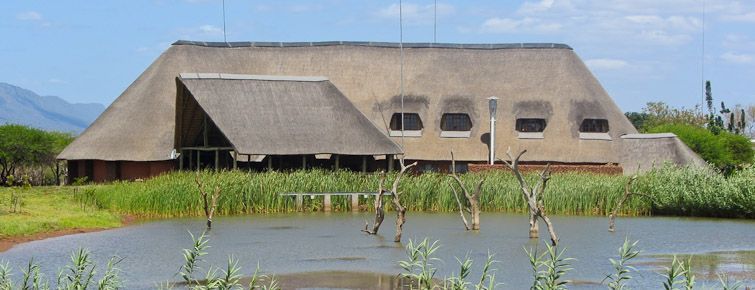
(209, 206)
(379, 212)
(400, 209)
(533, 196)
(473, 198)
(627, 194)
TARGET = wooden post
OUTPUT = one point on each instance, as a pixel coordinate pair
(354, 202)
(198, 160)
(338, 162)
(217, 159)
(364, 164)
(269, 162)
(181, 161)
(235, 160)
(204, 133)
(299, 202)
(191, 159)
(248, 162)
(390, 163)
(326, 202)
(304, 162)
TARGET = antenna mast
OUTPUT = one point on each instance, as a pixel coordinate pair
(401, 72)
(224, 37)
(435, 22)
(702, 64)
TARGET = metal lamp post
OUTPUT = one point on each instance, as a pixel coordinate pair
(493, 105)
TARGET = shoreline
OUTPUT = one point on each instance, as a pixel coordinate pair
(10, 242)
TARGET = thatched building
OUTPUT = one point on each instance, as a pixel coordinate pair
(550, 104)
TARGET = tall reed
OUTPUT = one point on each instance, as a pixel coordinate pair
(175, 194)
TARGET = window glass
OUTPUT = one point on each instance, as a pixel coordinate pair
(412, 122)
(530, 125)
(594, 126)
(455, 122)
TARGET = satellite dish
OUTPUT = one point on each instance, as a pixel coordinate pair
(173, 154)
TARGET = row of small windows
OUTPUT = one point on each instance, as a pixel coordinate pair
(462, 122)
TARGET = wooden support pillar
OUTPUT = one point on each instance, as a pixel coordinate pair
(390, 163)
(269, 162)
(354, 202)
(364, 164)
(248, 162)
(299, 202)
(191, 159)
(235, 160)
(181, 161)
(217, 159)
(198, 160)
(338, 162)
(304, 162)
(205, 137)
(326, 203)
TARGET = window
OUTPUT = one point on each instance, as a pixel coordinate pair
(412, 122)
(455, 122)
(530, 125)
(594, 126)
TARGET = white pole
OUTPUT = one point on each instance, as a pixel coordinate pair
(492, 140)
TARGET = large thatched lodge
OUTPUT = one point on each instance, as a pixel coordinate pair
(260, 106)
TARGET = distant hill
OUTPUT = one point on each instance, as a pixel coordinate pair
(22, 106)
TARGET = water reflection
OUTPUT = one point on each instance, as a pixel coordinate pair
(328, 246)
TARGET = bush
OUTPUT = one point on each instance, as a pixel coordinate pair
(693, 191)
(725, 150)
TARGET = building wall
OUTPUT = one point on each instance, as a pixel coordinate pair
(104, 171)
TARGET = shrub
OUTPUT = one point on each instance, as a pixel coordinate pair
(725, 150)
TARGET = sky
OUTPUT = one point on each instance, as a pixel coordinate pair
(640, 50)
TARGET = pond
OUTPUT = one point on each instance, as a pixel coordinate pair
(328, 250)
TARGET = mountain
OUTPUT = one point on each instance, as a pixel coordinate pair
(22, 106)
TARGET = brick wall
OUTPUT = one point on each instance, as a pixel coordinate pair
(610, 169)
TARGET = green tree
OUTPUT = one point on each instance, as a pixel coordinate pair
(22, 145)
(725, 150)
(637, 119)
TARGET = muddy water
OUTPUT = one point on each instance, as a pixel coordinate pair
(328, 251)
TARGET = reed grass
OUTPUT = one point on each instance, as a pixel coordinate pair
(175, 194)
(666, 190)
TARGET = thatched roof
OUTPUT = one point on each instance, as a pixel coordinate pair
(532, 80)
(280, 115)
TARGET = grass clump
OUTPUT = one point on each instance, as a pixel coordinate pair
(173, 195)
(48, 209)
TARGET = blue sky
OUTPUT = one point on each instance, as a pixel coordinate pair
(640, 50)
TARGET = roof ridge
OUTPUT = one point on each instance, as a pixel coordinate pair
(486, 46)
(227, 76)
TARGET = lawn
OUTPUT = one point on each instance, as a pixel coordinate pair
(49, 209)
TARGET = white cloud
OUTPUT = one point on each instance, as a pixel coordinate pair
(29, 16)
(527, 24)
(675, 22)
(663, 37)
(606, 64)
(57, 81)
(542, 6)
(416, 13)
(738, 58)
(744, 17)
(211, 29)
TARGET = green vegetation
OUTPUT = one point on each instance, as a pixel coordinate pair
(699, 192)
(725, 150)
(30, 153)
(176, 194)
(28, 211)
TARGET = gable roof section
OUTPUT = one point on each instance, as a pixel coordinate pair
(281, 115)
(532, 80)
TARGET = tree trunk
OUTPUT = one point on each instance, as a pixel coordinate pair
(379, 212)
(461, 208)
(551, 231)
(400, 220)
(534, 229)
(475, 205)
